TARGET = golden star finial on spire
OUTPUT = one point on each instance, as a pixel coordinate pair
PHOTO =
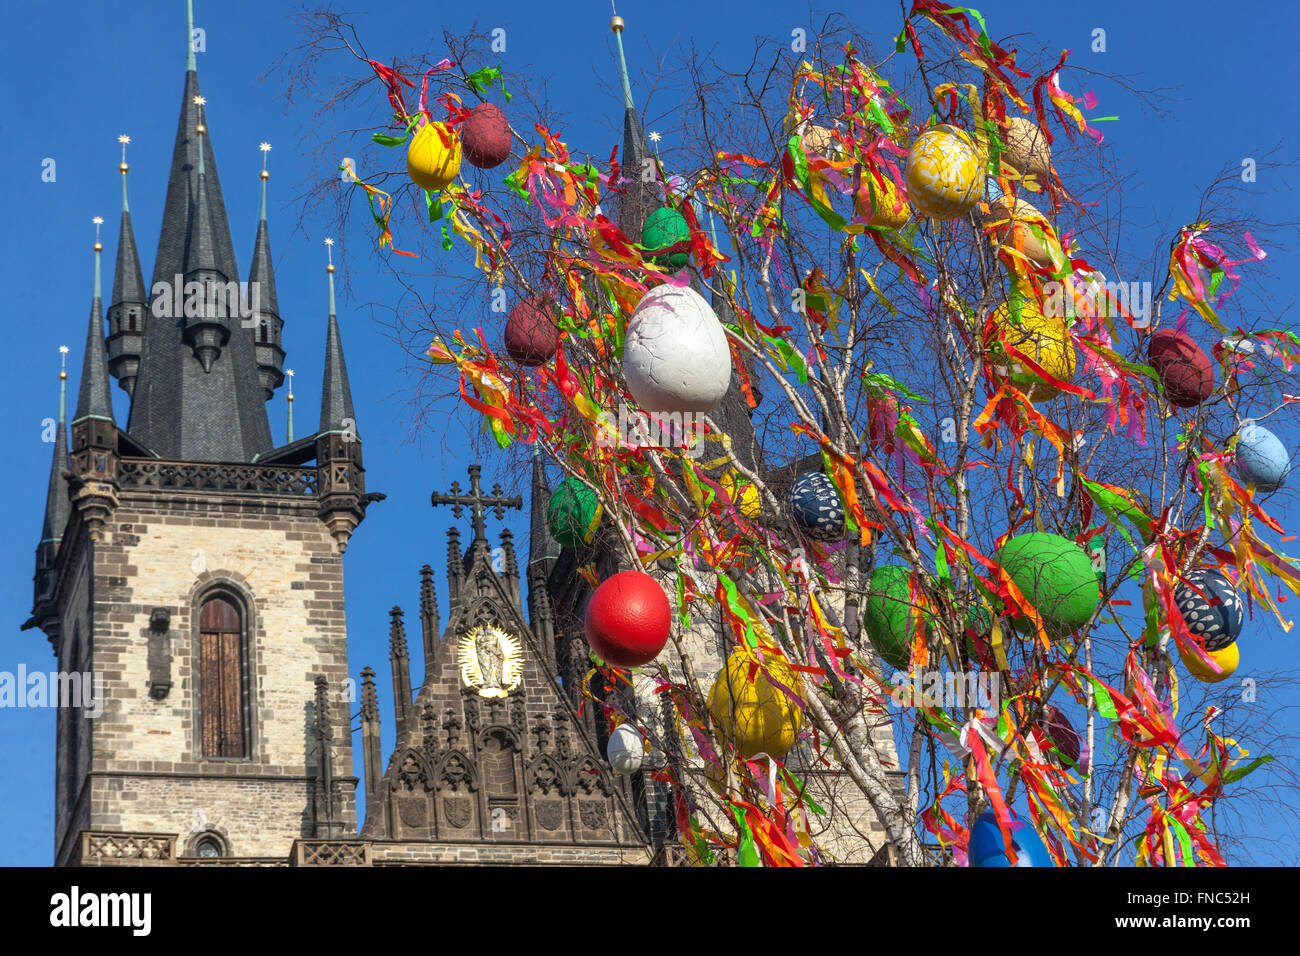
(200, 101)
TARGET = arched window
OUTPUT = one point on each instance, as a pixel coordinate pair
(265, 331)
(221, 679)
(208, 847)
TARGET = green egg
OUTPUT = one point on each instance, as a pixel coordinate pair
(1056, 576)
(573, 513)
(663, 228)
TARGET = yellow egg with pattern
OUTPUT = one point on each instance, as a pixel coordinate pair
(945, 173)
(1045, 340)
(432, 162)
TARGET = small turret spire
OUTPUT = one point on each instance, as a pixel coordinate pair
(616, 27)
(266, 326)
(289, 403)
(93, 398)
(128, 309)
(336, 393)
(122, 168)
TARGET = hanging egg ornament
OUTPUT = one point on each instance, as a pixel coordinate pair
(433, 158)
(1058, 728)
(1026, 149)
(988, 849)
(1055, 575)
(879, 203)
(1024, 228)
(745, 497)
(485, 136)
(945, 173)
(573, 514)
(751, 709)
(1184, 369)
(1218, 623)
(628, 619)
(819, 141)
(663, 228)
(1045, 340)
(816, 508)
(675, 355)
(1227, 659)
(1262, 459)
(531, 333)
(888, 618)
(626, 749)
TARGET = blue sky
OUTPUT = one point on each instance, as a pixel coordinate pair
(82, 73)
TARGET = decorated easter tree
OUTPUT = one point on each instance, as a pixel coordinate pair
(971, 439)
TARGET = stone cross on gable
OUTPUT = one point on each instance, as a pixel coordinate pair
(478, 502)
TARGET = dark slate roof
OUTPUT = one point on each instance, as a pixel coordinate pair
(57, 506)
(336, 393)
(262, 273)
(93, 397)
(178, 410)
(128, 278)
(638, 199)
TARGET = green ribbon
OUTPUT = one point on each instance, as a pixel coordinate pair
(746, 852)
(383, 140)
(480, 80)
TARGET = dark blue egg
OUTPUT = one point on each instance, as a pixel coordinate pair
(1219, 622)
(1262, 459)
(987, 849)
(815, 507)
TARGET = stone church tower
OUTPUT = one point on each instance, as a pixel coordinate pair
(193, 566)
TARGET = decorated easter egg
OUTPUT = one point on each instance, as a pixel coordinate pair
(945, 174)
(1057, 727)
(486, 136)
(626, 749)
(1261, 458)
(879, 202)
(1183, 368)
(1216, 613)
(531, 333)
(573, 513)
(751, 709)
(1055, 575)
(433, 158)
(819, 141)
(1022, 227)
(675, 355)
(1227, 659)
(1045, 340)
(628, 619)
(744, 496)
(987, 848)
(663, 228)
(888, 617)
(1026, 149)
(815, 507)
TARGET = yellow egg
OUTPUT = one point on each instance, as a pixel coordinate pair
(1046, 252)
(750, 710)
(945, 173)
(1043, 339)
(747, 502)
(878, 202)
(1026, 149)
(1227, 658)
(431, 163)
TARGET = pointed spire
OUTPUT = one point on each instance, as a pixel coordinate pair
(57, 506)
(128, 313)
(201, 242)
(430, 626)
(288, 401)
(190, 65)
(616, 26)
(336, 394)
(637, 201)
(400, 659)
(93, 397)
(265, 323)
(542, 547)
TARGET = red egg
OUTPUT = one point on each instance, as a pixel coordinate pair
(1184, 369)
(531, 333)
(485, 137)
(628, 619)
(1057, 726)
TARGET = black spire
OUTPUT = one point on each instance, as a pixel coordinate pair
(128, 314)
(198, 396)
(265, 321)
(638, 199)
(336, 394)
(57, 505)
(542, 547)
(93, 397)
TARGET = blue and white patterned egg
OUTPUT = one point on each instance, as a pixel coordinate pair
(1219, 623)
(815, 507)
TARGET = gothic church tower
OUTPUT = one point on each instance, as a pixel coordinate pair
(193, 566)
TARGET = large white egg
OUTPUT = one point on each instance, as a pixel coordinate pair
(626, 749)
(675, 355)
